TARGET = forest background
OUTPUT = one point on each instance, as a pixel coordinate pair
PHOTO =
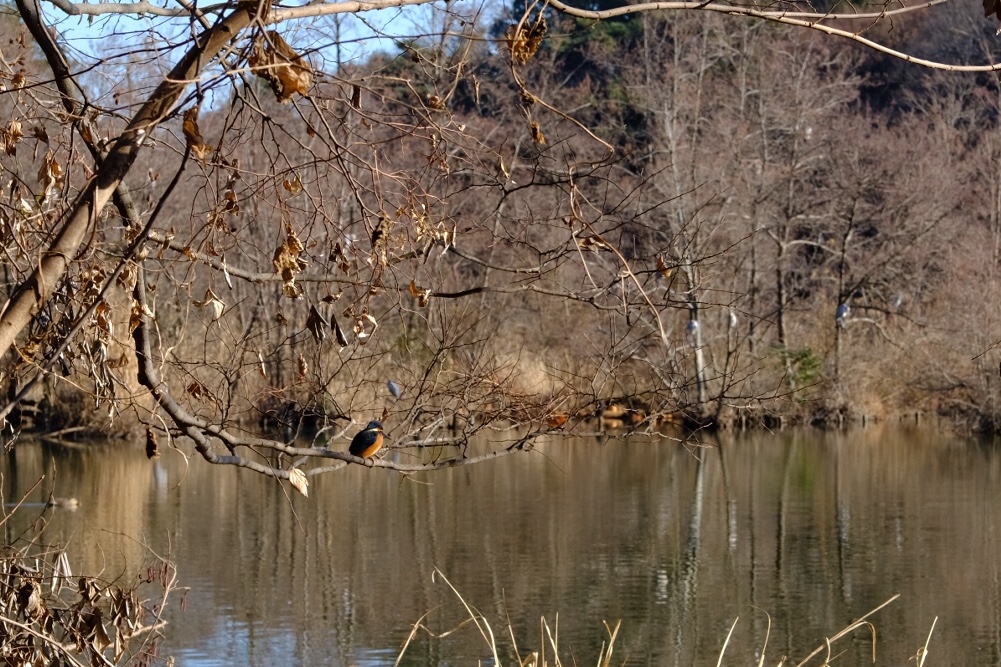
(464, 216)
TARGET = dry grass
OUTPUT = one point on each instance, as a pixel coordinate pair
(825, 654)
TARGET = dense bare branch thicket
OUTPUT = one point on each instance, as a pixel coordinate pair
(246, 219)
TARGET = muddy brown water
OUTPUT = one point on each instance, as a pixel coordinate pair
(804, 531)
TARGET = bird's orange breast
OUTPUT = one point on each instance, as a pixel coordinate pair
(366, 444)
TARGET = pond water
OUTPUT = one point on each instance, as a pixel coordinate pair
(792, 535)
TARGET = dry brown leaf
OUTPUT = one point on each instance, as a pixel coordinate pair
(86, 134)
(102, 319)
(316, 324)
(276, 62)
(380, 240)
(212, 301)
(365, 326)
(422, 294)
(663, 269)
(537, 135)
(523, 43)
(594, 243)
(231, 205)
(10, 136)
(152, 446)
(342, 340)
(288, 262)
(293, 184)
(127, 278)
(50, 174)
(138, 311)
(193, 136)
(298, 480)
(302, 366)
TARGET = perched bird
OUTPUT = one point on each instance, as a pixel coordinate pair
(394, 389)
(844, 310)
(367, 442)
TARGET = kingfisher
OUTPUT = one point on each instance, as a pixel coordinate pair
(367, 442)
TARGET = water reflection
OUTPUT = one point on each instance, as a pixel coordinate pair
(815, 529)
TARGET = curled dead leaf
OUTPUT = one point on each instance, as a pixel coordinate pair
(342, 340)
(502, 170)
(276, 62)
(138, 312)
(593, 243)
(298, 480)
(524, 41)
(316, 324)
(537, 135)
(103, 322)
(127, 278)
(288, 262)
(212, 301)
(663, 269)
(50, 175)
(152, 446)
(422, 294)
(230, 203)
(293, 184)
(10, 136)
(365, 327)
(446, 238)
(193, 136)
(380, 239)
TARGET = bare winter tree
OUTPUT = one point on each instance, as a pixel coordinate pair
(245, 218)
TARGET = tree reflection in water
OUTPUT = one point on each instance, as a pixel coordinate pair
(813, 528)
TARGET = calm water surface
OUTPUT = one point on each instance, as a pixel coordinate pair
(804, 530)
